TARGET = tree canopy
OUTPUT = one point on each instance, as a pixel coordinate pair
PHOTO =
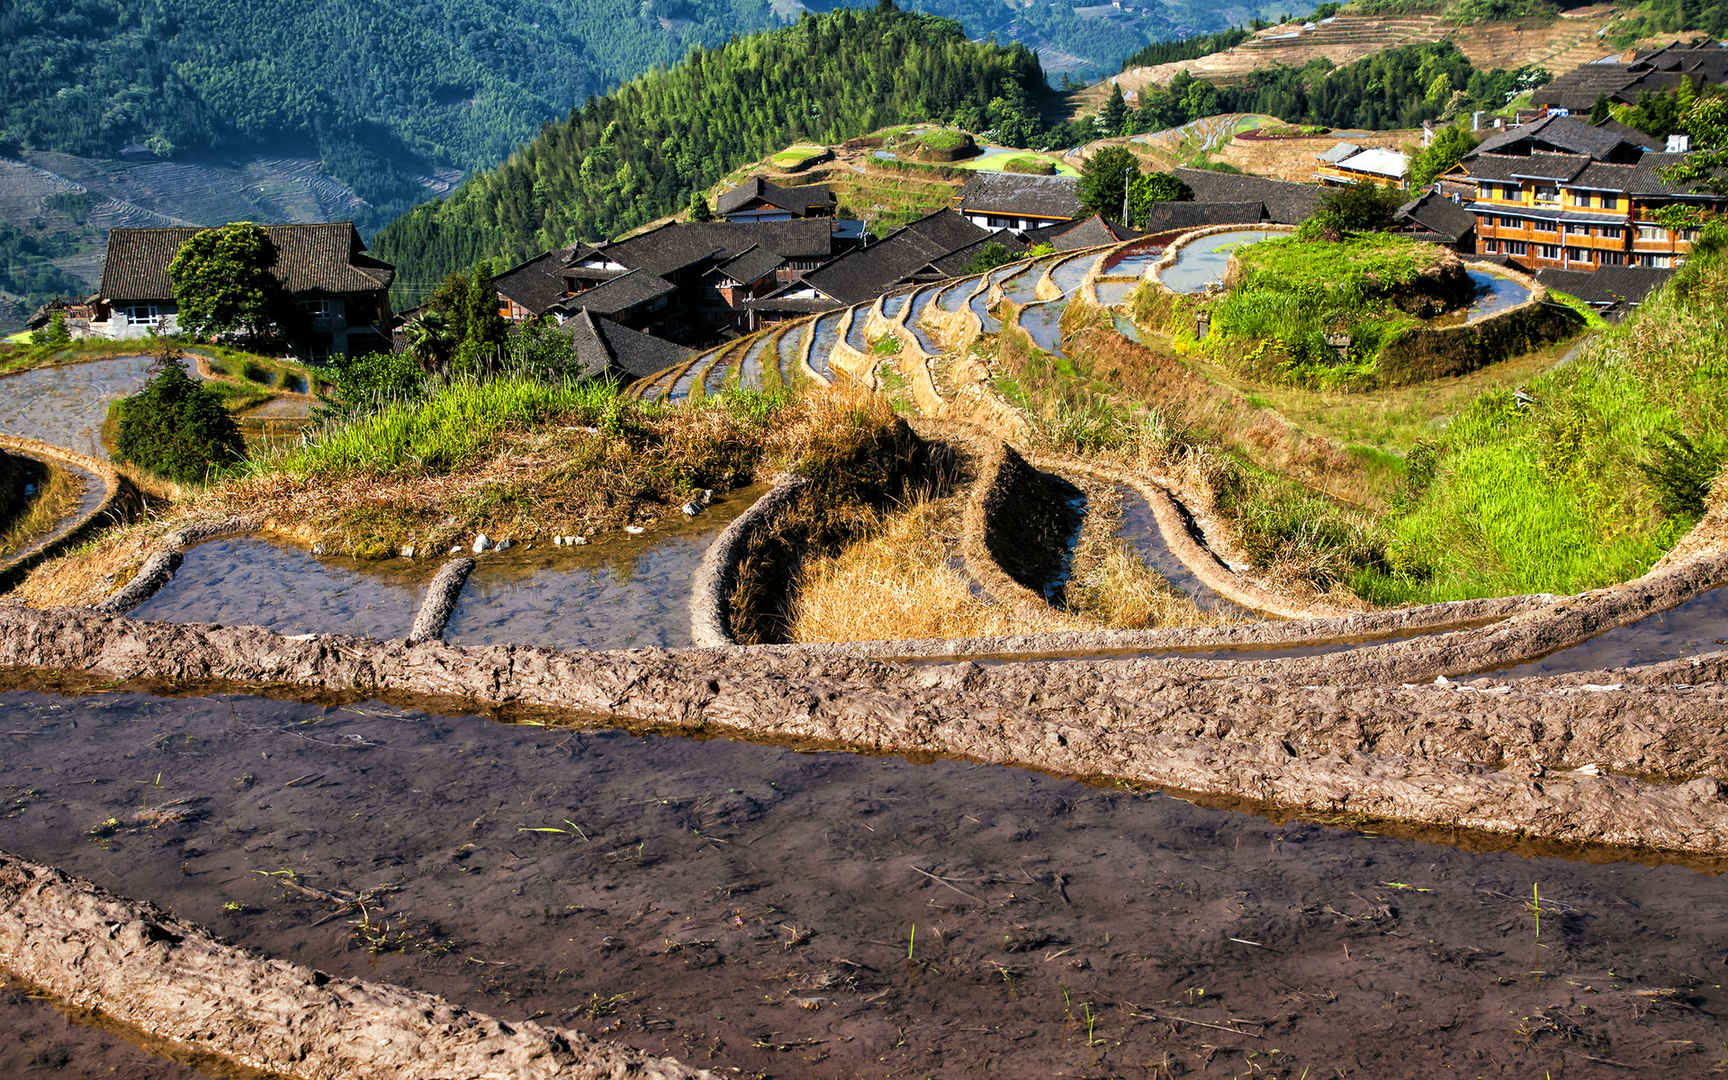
(1104, 180)
(176, 427)
(223, 283)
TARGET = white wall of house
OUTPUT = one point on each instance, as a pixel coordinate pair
(136, 320)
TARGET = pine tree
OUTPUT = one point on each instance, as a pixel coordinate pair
(1115, 112)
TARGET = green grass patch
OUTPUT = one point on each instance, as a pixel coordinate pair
(1030, 164)
(794, 157)
(1587, 477)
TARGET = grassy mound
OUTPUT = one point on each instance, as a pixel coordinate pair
(943, 145)
(1027, 163)
(796, 158)
(1317, 312)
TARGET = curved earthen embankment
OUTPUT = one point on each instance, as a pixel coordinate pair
(141, 966)
(442, 592)
(1012, 513)
(710, 594)
(1502, 759)
(120, 500)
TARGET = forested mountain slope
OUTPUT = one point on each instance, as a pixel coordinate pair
(637, 154)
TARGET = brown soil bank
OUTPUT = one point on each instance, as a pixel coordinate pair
(746, 907)
(1497, 758)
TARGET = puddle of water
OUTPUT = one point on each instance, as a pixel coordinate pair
(66, 405)
(789, 350)
(723, 885)
(1140, 528)
(855, 332)
(1114, 293)
(822, 347)
(1022, 288)
(750, 368)
(953, 298)
(1071, 273)
(44, 1039)
(980, 305)
(916, 312)
(1044, 322)
(719, 371)
(628, 592)
(892, 305)
(1699, 625)
(1134, 263)
(1206, 260)
(249, 582)
(94, 491)
(1494, 294)
(1125, 326)
(685, 384)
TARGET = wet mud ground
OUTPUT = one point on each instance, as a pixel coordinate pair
(754, 907)
(40, 1039)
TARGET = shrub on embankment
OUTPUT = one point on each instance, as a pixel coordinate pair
(1584, 477)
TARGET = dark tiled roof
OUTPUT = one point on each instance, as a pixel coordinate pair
(1568, 134)
(1508, 167)
(1579, 88)
(535, 284)
(1644, 178)
(1022, 195)
(604, 345)
(1286, 202)
(677, 245)
(328, 258)
(623, 293)
(1656, 69)
(1093, 231)
(1608, 285)
(1439, 215)
(798, 200)
(1169, 216)
(793, 305)
(752, 265)
(901, 255)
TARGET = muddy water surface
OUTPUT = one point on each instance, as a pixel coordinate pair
(66, 405)
(1114, 293)
(1700, 625)
(625, 593)
(40, 1039)
(753, 907)
(251, 582)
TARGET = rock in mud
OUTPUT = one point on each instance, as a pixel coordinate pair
(482, 543)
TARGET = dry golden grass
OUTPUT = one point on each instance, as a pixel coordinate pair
(902, 583)
(1111, 585)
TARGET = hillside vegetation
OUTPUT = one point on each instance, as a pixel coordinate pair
(637, 154)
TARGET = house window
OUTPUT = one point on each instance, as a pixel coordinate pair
(1609, 232)
(1611, 258)
(1511, 223)
(322, 308)
(143, 315)
(1578, 255)
(1517, 247)
(1610, 202)
(1548, 251)
(1547, 194)
(1652, 233)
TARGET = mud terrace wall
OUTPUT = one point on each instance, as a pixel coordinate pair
(142, 966)
(441, 596)
(1371, 732)
(710, 625)
(1016, 526)
(120, 501)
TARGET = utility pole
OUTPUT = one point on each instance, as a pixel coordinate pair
(1127, 175)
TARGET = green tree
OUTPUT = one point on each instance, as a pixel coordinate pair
(1447, 149)
(176, 427)
(484, 324)
(989, 257)
(429, 338)
(360, 384)
(1354, 208)
(223, 283)
(1706, 167)
(55, 333)
(1115, 112)
(1147, 191)
(699, 207)
(1104, 178)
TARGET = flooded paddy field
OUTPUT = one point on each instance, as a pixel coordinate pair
(251, 582)
(800, 914)
(628, 592)
(43, 1039)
